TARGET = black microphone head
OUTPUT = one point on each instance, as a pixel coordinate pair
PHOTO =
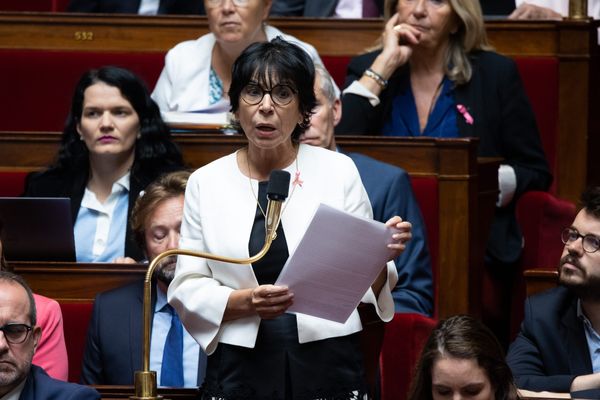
(279, 184)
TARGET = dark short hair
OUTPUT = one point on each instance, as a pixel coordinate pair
(590, 200)
(9, 277)
(283, 61)
(464, 337)
(154, 145)
(165, 187)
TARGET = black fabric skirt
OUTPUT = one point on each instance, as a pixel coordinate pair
(279, 368)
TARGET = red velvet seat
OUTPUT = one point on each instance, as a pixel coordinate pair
(41, 82)
(12, 183)
(34, 5)
(76, 318)
(404, 338)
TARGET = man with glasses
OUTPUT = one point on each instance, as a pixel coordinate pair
(19, 336)
(558, 347)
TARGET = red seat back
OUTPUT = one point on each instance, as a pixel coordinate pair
(76, 318)
(403, 341)
(34, 5)
(12, 183)
(427, 193)
(540, 78)
(41, 82)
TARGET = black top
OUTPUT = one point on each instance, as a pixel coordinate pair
(266, 269)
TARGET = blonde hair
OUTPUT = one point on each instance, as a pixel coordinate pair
(470, 36)
(165, 187)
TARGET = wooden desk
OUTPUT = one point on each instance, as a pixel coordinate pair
(467, 190)
(110, 392)
(537, 280)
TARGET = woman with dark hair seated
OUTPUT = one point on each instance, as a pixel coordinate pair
(462, 359)
(257, 350)
(113, 145)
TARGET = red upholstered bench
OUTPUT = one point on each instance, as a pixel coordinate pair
(34, 5)
(12, 183)
(41, 82)
(76, 318)
(540, 78)
(404, 338)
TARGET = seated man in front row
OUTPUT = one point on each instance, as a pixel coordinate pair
(113, 350)
(390, 193)
(558, 348)
(19, 379)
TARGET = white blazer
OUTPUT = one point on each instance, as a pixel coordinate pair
(218, 217)
(183, 84)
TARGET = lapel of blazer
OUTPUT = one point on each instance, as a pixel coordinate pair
(469, 95)
(576, 343)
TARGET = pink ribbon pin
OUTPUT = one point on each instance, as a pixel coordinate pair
(297, 180)
(463, 110)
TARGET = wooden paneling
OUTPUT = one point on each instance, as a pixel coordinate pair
(540, 279)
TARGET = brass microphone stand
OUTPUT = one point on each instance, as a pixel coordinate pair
(145, 380)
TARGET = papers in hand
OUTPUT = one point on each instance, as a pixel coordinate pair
(335, 263)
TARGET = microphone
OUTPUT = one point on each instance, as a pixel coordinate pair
(277, 192)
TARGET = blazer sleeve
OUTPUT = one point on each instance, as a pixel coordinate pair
(51, 351)
(200, 300)
(357, 203)
(359, 117)
(525, 360)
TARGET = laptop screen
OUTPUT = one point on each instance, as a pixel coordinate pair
(37, 229)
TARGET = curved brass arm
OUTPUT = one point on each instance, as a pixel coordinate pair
(145, 380)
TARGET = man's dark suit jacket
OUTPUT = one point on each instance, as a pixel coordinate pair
(132, 6)
(54, 183)
(551, 348)
(390, 193)
(40, 386)
(309, 8)
(503, 121)
(113, 349)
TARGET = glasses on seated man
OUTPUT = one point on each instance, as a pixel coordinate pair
(15, 333)
(591, 243)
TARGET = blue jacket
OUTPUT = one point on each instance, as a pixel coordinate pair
(390, 193)
(551, 348)
(40, 386)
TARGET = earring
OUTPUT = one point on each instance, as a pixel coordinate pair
(139, 135)
(81, 137)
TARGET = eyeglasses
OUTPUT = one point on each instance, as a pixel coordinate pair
(282, 95)
(219, 3)
(591, 243)
(15, 333)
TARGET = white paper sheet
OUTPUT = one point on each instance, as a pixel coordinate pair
(336, 261)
